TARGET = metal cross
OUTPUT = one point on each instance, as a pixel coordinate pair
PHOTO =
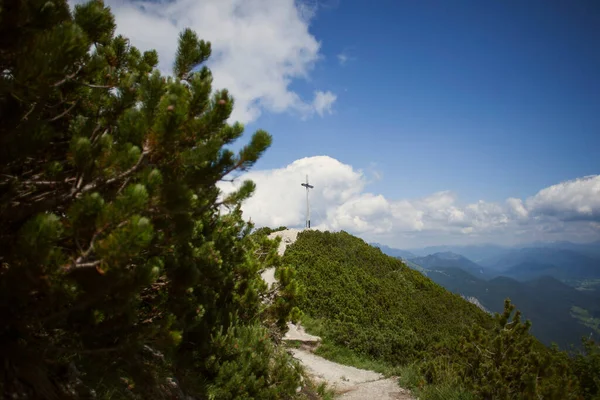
(308, 187)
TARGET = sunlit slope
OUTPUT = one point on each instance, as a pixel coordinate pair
(373, 303)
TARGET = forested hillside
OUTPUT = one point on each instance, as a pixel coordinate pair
(379, 308)
(547, 302)
(377, 305)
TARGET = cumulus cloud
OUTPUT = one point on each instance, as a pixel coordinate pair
(578, 199)
(340, 201)
(259, 47)
(279, 198)
(517, 207)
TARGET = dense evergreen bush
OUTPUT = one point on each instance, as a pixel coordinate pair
(120, 273)
(375, 304)
(379, 308)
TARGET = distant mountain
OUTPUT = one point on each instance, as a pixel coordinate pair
(532, 270)
(588, 249)
(448, 259)
(547, 302)
(532, 262)
(480, 252)
(472, 252)
(403, 254)
(574, 263)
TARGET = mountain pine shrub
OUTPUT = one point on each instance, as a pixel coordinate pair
(123, 270)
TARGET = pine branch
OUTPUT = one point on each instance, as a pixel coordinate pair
(230, 170)
(95, 184)
(68, 77)
(95, 134)
(47, 200)
(78, 263)
(59, 116)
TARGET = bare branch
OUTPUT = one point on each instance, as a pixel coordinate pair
(29, 112)
(91, 351)
(230, 170)
(59, 116)
(93, 185)
(86, 265)
(78, 263)
(68, 77)
(97, 86)
(42, 183)
(123, 185)
(95, 134)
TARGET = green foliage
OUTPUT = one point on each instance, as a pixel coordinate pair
(506, 363)
(283, 297)
(333, 351)
(266, 231)
(449, 386)
(550, 305)
(374, 304)
(586, 367)
(118, 269)
(247, 365)
(374, 312)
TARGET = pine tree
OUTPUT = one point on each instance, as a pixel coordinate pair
(121, 264)
(586, 366)
(508, 363)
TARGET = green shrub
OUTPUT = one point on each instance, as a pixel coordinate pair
(120, 272)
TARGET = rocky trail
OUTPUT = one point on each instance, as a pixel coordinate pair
(347, 382)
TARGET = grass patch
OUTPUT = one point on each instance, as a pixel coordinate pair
(325, 392)
(411, 378)
(444, 391)
(342, 355)
(294, 344)
(315, 391)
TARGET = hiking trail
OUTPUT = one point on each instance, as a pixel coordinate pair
(348, 382)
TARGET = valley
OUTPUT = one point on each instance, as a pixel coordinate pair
(556, 286)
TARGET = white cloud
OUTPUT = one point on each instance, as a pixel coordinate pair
(340, 201)
(517, 207)
(279, 198)
(323, 102)
(259, 46)
(578, 199)
(364, 213)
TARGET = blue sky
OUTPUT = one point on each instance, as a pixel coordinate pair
(419, 122)
(488, 99)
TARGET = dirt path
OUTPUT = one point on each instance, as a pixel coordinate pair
(348, 382)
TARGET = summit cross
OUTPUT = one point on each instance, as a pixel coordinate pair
(308, 187)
